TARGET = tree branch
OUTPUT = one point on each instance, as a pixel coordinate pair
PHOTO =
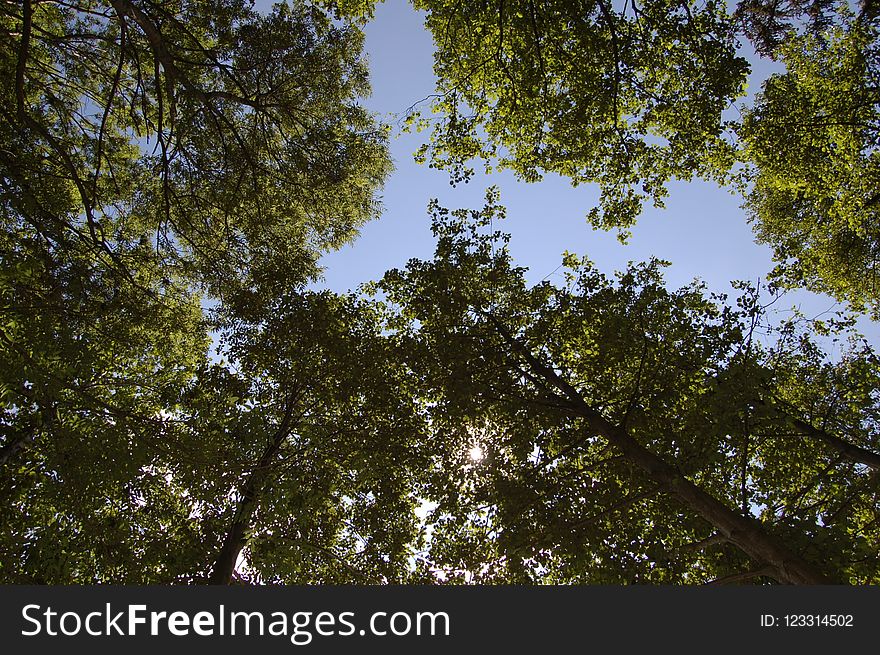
(23, 53)
(742, 577)
(743, 531)
(236, 536)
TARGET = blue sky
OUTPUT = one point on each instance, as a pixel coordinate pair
(702, 230)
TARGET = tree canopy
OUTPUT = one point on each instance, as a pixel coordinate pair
(206, 130)
(633, 97)
(180, 401)
(575, 88)
(158, 158)
(631, 433)
(812, 138)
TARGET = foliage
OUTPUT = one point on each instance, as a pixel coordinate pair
(177, 407)
(633, 97)
(87, 366)
(601, 404)
(292, 446)
(576, 89)
(313, 452)
(209, 130)
(156, 155)
(770, 23)
(812, 138)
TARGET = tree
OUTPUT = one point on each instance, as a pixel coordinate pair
(90, 355)
(631, 434)
(86, 371)
(209, 130)
(633, 97)
(769, 23)
(157, 156)
(296, 461)
(628, 98)
(326, 430)
(812, 139)
(175, 407)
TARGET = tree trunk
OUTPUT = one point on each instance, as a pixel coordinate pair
(745, 532)
(236, 536)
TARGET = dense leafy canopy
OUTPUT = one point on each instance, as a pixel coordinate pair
(575, 88)
(632, 434)
(813, 139)
(156, 155)
(203, 129)
(632, 97)
(176, 404)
